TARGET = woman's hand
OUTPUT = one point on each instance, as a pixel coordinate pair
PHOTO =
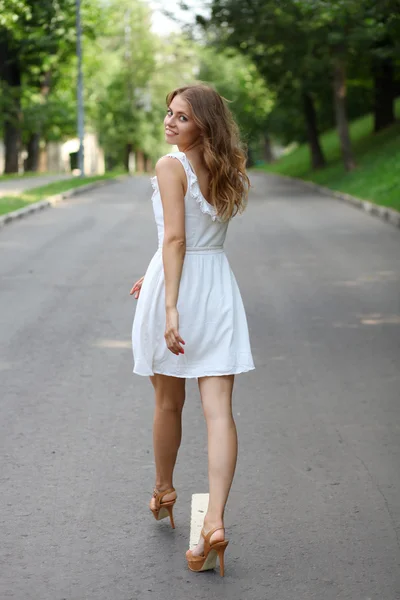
(172, 337)
(137, 287)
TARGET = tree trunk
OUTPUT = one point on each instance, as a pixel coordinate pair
(339, 95)
(128, 150)
(317, 156)
(32, 161)
(139, 161)
(11, 144)
(267, 149)
(250, 159)
(384, 93)
(33, 146)
(10, 74)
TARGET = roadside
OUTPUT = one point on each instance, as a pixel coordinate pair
(15, 184)
(377, 176)
(13, 202)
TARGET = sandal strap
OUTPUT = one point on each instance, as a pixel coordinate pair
(160, 495)
(207, 538)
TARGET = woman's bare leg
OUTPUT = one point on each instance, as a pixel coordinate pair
(167, 429)
(216, 397)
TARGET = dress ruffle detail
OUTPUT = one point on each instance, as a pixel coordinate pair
(205, 207)
(194, 188)
(154, 183)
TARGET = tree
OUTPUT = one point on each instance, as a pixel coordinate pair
(382, 32)
(274, 37)
(37, 42)
(129, 72)
(118, 67)
(32, 34)
(237, 79)
(331, 27)
(301, 45)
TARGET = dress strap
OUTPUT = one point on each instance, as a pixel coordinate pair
(183, 159)
(193, 186)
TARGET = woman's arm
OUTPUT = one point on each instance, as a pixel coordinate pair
(172, 181)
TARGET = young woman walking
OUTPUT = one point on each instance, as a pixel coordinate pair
(190, 320)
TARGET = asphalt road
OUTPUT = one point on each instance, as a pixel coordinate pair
(314, 511)
(18, 185)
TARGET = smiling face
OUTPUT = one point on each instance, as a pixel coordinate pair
(180, 127)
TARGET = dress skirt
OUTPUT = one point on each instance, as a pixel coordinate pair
(212, 320)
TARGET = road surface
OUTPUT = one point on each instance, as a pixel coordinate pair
(314, 511)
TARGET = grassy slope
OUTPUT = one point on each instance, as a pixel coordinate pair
(9, 203)
(377, 177)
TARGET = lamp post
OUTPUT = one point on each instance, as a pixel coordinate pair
(79, 91)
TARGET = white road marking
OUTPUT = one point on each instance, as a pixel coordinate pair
(199, 509)
(113, 344)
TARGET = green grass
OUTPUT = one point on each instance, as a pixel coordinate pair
(9, 203)
(377, 176)
(18, 176)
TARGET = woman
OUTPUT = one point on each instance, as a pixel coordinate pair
(190, 320)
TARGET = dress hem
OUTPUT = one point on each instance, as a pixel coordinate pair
(236, 371)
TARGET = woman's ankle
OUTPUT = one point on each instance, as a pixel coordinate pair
(213, 521)
(162, 487)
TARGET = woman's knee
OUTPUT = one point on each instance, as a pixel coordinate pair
(168, 403)
(216, 396)
(169, 393)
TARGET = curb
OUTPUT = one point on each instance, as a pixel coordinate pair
(389, 215)
(51, 201)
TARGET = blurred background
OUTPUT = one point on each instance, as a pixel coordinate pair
(313, 84)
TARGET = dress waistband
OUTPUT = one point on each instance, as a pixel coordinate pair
(205, 250)
(202, 249)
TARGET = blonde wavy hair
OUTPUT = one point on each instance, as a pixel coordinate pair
(224, 154)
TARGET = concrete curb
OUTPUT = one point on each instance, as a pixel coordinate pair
(385, 214)
(53, 200)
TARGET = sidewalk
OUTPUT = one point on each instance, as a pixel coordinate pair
(15, 186)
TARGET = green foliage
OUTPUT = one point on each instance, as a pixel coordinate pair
(39, 40)
(39, 34)
(276, 39)
(295, 43)
(378, 159)
(53, 114)
(118, 67)
(237, 79)
(129, 72)
(12, 12)
(264, 56)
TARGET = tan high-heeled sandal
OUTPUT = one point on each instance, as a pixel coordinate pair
(211, 551)
(163, 509)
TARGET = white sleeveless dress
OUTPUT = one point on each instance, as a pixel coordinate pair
(212, 320)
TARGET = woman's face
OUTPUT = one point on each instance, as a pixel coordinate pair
(180, 127)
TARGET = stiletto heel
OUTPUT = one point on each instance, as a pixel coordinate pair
(211, 551)
(221, 552)
(163, 509)
(171, 516)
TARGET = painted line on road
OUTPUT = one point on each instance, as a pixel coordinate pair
(198, 512)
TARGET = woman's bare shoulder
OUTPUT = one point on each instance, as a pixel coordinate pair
(170, 165)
